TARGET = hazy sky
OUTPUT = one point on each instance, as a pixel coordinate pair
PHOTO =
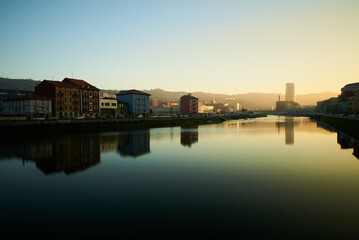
(197, 45)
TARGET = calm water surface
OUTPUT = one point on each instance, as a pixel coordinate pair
(283, 177)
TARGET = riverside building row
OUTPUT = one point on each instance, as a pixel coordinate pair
(346, 103)
(72, 98)
(75, 98)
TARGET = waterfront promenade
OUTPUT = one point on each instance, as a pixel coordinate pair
(34, 127)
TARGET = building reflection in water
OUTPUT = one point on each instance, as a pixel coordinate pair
(109, 142)
(134, 144)
(72, 154)
(189, 135)
(68, 154)
(345, 141)
(288, 125)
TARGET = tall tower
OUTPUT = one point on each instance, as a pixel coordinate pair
(289, 92)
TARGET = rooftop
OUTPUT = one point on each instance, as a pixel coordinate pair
(79, 83)
(108, 98)
(58, 83)
(132, 91)
(189, 96)
(351, 87)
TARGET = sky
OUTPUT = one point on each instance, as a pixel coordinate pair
(217, 46)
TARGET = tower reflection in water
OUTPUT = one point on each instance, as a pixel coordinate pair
(189, 136)
(345, 141)
(288, 126)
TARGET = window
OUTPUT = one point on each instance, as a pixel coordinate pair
(85, 93)
(90, 107)
(107, 104)
(95, 94)
(90, 100)
(90, 93)
(113, 104)
(102, 104)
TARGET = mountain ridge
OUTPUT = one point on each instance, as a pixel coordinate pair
(254, 100)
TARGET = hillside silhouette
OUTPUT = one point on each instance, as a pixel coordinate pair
(258, 101)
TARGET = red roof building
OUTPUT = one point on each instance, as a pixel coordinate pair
(89, 96)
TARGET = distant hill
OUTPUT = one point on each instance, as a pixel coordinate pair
(18, 84)
(263, 101)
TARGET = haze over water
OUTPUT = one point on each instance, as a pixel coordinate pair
(268, 176)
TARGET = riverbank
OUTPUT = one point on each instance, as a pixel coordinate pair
(16, 128)
(346, 125)
(245, 116)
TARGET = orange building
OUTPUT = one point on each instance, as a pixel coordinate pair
(65, 98)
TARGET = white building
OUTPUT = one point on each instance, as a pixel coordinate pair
(237, 107)
(205, 109)
(138, 102)
(108, 107)
(289, 92)
(30, 106)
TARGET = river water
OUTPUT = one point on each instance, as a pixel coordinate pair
(269, 177)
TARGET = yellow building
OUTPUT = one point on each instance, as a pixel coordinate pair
(65, 97)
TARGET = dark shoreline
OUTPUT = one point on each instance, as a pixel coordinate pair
(343, 124)
(34, 128)
(14, 129)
